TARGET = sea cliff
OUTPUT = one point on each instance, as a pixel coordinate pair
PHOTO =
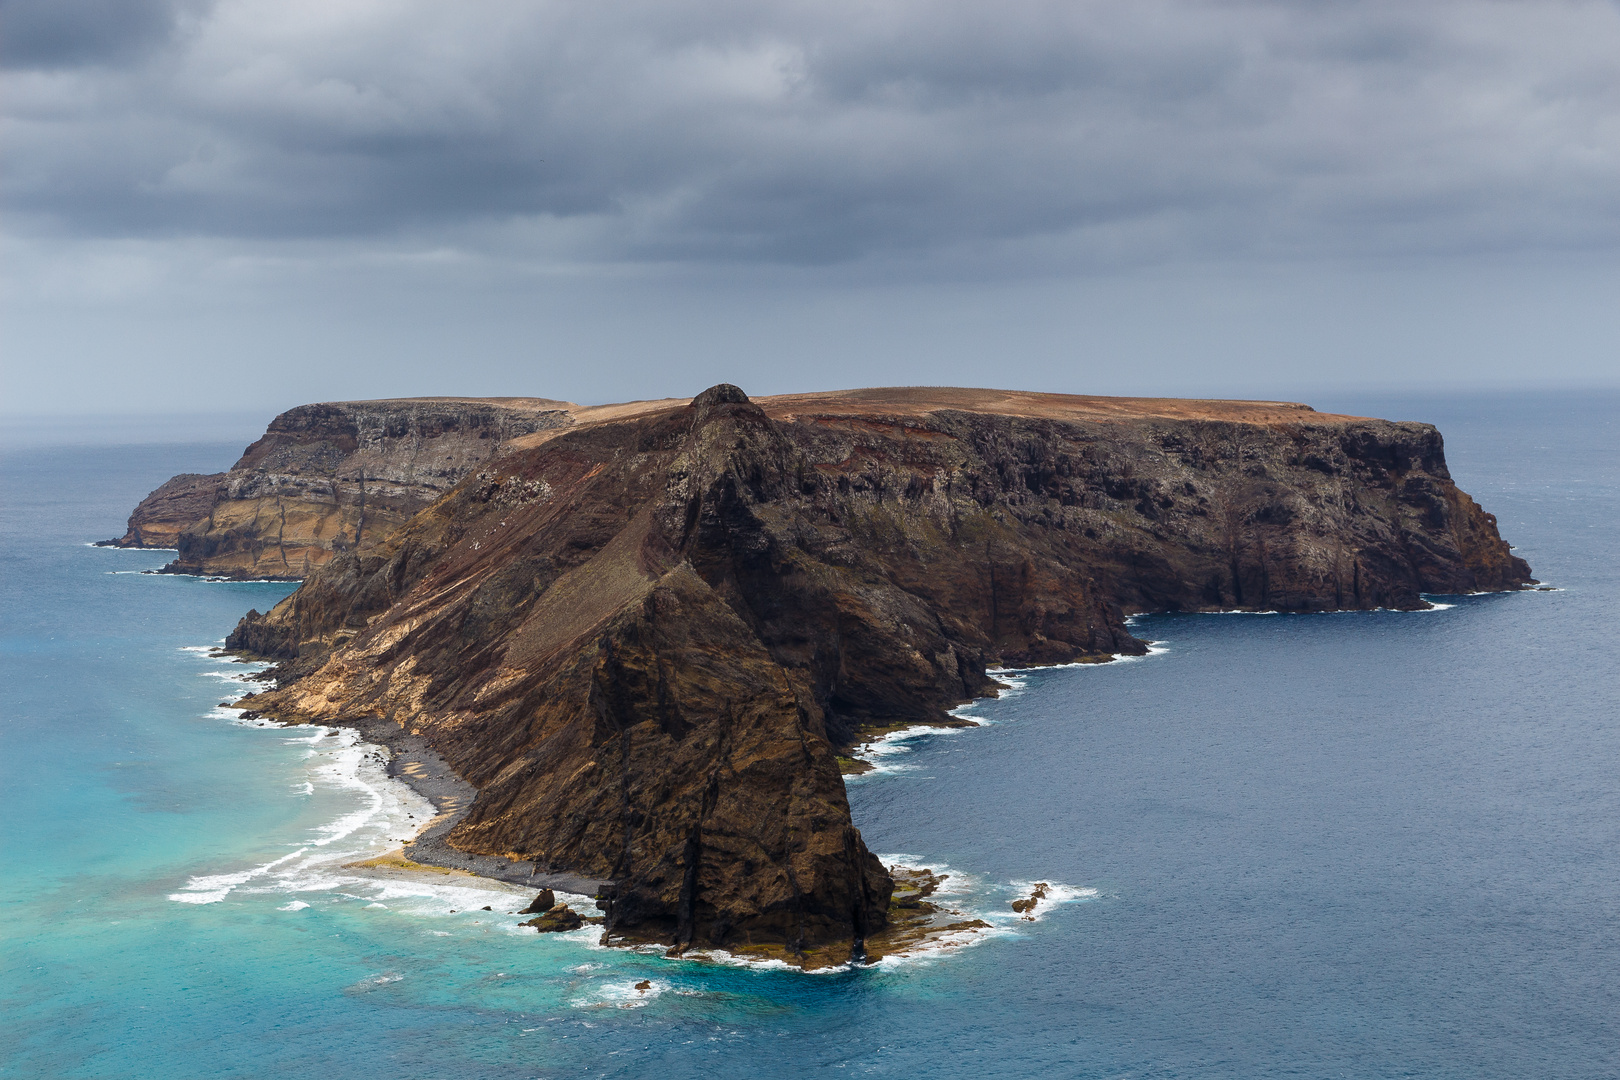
(324, 479)
(643, 632)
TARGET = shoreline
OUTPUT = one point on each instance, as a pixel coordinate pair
(419, 767)
(412, 761)
(856, 759)
(919, 928)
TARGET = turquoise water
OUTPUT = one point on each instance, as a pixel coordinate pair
(1367, 845)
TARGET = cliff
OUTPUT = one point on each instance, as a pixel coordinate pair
(642, 634)
(327, 478)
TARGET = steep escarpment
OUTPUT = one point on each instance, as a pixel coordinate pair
(175, 508)
(643, 635)
(1180, 505)
(327, 478)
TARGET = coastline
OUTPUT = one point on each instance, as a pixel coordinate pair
(858, 758)
(919, 928)
(916, 929)
(417, 765)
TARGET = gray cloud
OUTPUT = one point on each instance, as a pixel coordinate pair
(45, 34)
(1075, 133)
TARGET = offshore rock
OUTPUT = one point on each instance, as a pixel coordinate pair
(1029, 903)
(557, 919)
(327, 478)
(643, 634)
(543, 902)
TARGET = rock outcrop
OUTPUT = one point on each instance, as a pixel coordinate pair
(172, 510)
(643, 635)
(327, 478)
(543, 902)
(557, 919)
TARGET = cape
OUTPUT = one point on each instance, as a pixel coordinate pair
(644, 632)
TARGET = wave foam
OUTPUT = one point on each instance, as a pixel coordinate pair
(1056, 894)
(387, 813)
(212, 888)
(883, 752)
(231, 676)
(966, 898)
(1154, 648)
(623, 995)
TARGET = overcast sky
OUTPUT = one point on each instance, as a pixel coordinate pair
(256, 203)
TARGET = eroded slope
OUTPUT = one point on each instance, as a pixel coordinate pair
(643, 636)
(328, 478)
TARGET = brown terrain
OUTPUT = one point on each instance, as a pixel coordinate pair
(642, 632)
(327, 478)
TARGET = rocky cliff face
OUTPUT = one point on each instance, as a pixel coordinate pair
(642, 636)
(327, 478)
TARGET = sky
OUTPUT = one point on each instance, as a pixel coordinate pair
(215, 205)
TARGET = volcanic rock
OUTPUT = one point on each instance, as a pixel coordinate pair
(327, 478)
(174, 508)
(642, 634)
(1029, 903)
(913, 887)
(545, 901)
(559, 918)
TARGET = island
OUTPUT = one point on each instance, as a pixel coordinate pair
(640, 635)
(325, 479)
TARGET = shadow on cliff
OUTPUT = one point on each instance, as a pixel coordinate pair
(643, 639)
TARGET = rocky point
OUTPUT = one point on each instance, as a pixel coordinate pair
(643, 632)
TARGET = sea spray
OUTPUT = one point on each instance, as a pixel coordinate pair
(884, 755)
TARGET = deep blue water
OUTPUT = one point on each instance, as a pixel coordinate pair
(1363, 845)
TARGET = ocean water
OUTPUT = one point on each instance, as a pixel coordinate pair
(1364, 845)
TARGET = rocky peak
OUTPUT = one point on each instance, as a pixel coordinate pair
(719, 394)
(644, 637)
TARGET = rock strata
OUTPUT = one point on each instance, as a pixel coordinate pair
(642, 635)
(325, 479)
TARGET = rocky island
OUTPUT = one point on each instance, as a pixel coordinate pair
(324, 479)
(641, 633)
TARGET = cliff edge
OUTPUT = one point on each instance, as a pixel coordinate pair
(327, 478)
(642, 633)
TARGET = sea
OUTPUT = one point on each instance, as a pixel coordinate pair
(1376, 844)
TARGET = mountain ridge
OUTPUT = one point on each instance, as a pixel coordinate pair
(644, 634)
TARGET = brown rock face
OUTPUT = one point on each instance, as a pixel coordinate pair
(543, 902)
(641, 636)
(171, 510)
(557, 919)
(327, 478)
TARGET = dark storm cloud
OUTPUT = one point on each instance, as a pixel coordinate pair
(62, 33)
(825, 131)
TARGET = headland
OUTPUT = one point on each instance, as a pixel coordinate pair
(643, 633)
